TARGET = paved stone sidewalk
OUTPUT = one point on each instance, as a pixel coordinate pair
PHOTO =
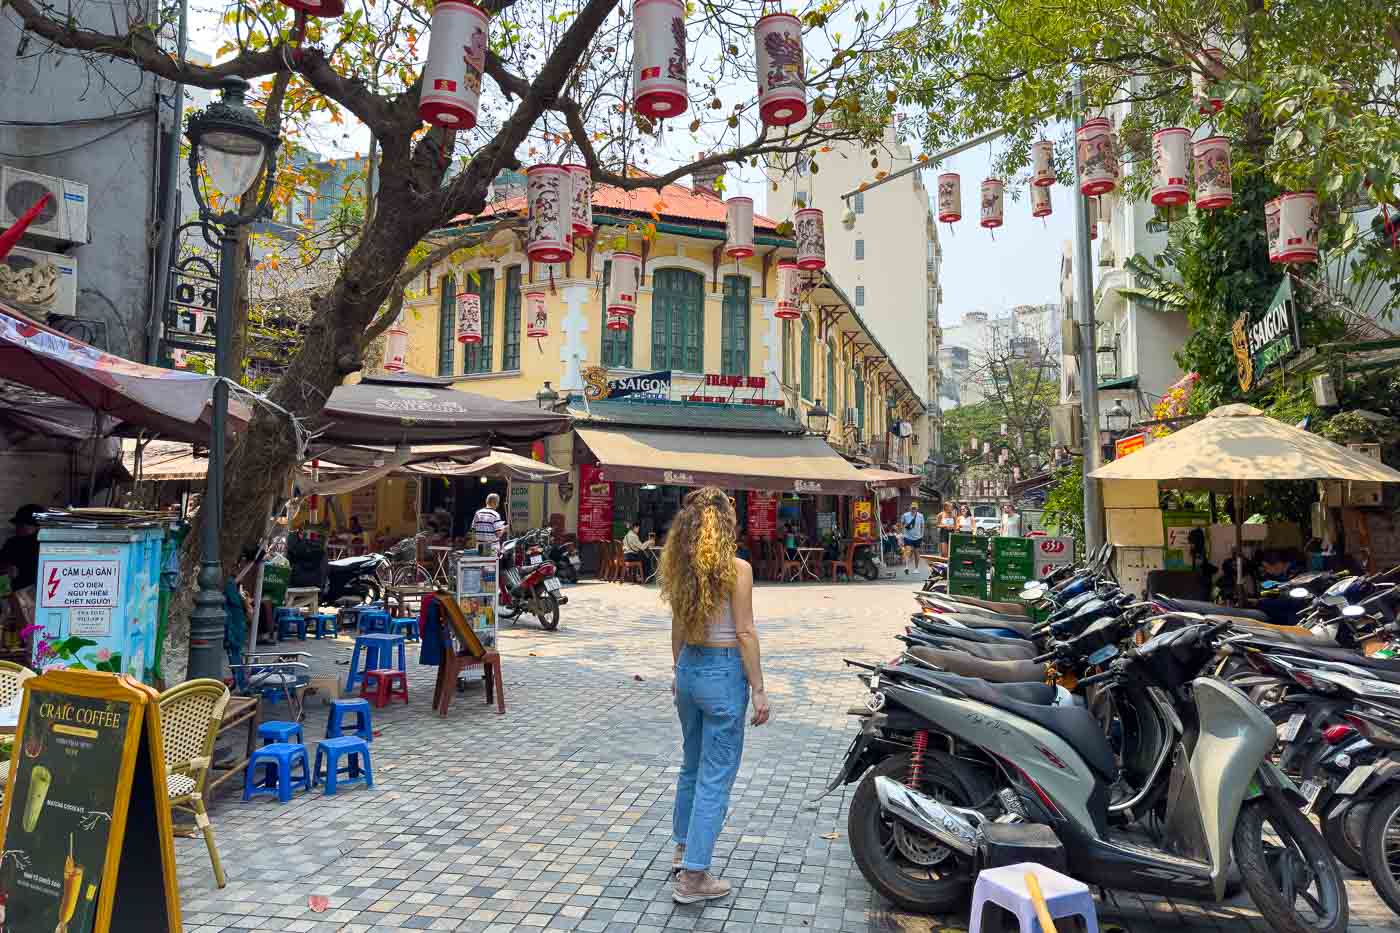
(557, 815)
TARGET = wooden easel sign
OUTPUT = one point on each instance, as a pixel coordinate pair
(85, 837)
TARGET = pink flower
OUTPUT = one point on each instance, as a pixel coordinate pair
(104, 655)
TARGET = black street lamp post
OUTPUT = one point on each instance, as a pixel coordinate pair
(229, 148)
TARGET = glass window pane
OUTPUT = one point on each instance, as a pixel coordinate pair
(510, 336)
(447, 326)
(478, 356)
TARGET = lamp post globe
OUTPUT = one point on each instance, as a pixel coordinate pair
(818, 418)
(546, 398)
(1118, 419)
(230, 146)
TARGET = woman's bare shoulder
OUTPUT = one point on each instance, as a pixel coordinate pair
(743, 570)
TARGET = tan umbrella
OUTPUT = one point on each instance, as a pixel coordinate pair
(498, 463)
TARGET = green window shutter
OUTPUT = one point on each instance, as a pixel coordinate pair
(447, 325)
(860, 405)
(806, 354)
(734, 335)
(510, 338)
(479, 355)
(617, 344)
(678, 320)
(831, 380)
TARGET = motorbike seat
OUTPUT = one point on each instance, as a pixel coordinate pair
(1001, 608)
(1008, 652)
(1212, 609)
(1005, 673)
(1276, 634)
(1021, 627)
(931, 625)
(350, 563)
(1387, 669)
(1075, 724)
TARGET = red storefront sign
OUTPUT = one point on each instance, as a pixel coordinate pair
(1126, 445)
(595, 505)
(763, 515)
(863, 520)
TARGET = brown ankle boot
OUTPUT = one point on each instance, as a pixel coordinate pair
(694, 886)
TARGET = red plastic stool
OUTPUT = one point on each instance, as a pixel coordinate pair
(385, 686)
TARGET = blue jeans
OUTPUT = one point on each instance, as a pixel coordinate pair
(712, 696)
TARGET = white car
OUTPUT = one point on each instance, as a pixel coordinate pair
(986, 525)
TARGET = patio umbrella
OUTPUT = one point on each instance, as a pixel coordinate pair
(498, 463)
(411, 409)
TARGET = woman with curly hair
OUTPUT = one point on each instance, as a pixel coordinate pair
(715, 651)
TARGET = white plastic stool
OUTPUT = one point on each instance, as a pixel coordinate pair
(1006, 888)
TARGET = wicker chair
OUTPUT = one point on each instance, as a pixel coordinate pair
(190, 715)
(12, 678)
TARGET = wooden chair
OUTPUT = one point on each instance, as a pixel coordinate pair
(12, 678)
(848, 564)
(634, 571)
(462, 649)
(190, 716)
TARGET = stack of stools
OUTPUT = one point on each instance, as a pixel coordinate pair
(279, 756)
(286, 619)
(354, 748)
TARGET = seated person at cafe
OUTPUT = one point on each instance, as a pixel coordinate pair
(635, 550)
(19, 557)
(790, 541)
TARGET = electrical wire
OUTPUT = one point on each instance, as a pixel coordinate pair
(82, 121)
(82, 145)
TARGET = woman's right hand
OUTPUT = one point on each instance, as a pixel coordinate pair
(760, 708)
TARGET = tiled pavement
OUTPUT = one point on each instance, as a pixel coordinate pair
(557, 815)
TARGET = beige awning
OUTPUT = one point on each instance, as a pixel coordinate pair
(769, 462)
(501, 464)
(885, 479)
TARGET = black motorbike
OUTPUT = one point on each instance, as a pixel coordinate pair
(564, 556)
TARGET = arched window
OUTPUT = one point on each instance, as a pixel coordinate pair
(447, 325)
(510, 325)
(806, 352)
(678, 320)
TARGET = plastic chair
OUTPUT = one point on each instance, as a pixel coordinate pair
(335, 722)
(1004, 889)
(848, 564)
(357, 768)
(279, 759)
(463, 650)
(190, 716)
(789, 568)
(12, 678)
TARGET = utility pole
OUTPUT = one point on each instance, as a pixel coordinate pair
(1088, 344)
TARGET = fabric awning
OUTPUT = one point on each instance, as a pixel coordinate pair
(501, 464)
(773, 463)
(890, 479)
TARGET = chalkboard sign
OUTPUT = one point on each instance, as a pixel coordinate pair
(86, 839)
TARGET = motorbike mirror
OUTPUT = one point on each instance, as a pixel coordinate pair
(1300, 592)
(1351, 612)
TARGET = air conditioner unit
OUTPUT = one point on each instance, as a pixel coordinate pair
(64, 218)
(40, 281)
(1066, 426)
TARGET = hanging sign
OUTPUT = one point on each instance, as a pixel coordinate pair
(1263, 342)
(595, 505)
(597, 386)
(763, 515)
(1126, 445)
(863, 520)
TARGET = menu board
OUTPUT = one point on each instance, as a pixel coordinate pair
(763, 515)
(595, 505)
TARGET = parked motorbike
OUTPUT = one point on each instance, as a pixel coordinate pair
(354, 580)
(528, 582)
(563, 555)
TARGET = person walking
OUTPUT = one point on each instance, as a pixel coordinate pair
(912, 525)
(947, 524)
(967, 525)
(1010, 521)
(715, 650)
(488, 526)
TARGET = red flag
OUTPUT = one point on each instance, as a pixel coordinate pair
(11, 236)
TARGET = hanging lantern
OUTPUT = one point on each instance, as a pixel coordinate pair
(811, 239)
(626, 281)
(1169, 161)
(1298, 224)
(1098, 157)
(993, 194)
(738, 228)
(1043, 160)
(456, 59)
(324, 8)
(949, 198)
(395, 349)
(782, 89)
(1040, 201)
(1201, 83)
(581, 197)
(549, 195)
(787, 309)
(1093, 218)
(468, 317)
(1212, 165)
(1271, 227)
(536, 314)
(658, 58)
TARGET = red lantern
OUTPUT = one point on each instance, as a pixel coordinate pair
(1093, 218)
(1040, 201)
(581, 191)
(456, 59)
(1271, 227)
(1298, 225)
(536, 314)
(395, 349)
(811, 239)
(738, 228)
(468, 318)
(1212, 164)
(787, 291)
(549, 194)
(993, 194)
(626, 281)
(658, 58)
(949, 198)
(1201, 82)
(1169, 161)
(782, 89)
(1043, 160)
(323, 8)
(1098, 157)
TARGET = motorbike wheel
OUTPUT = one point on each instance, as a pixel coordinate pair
(1285, 865)
(1381, 848)
(945, 878)
(546, 609)
(866, 568)
(413, 575)
(1345, 833)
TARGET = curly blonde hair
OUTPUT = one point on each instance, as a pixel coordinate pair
(697, 564)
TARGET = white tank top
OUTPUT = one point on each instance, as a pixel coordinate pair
(720, 628)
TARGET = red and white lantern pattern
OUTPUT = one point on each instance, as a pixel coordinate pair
(1098, 157)
(395, 349)
(1271, 227)
(1298, 225)
(1169, 166)
(1040, 201)
(810, 233)
(1212, 165)
(468, 317)
(549, 194)
(536, 314)
(581, 197)
(1093, 218)
(787, 309)
(658, 58)
(949, 198)
(324, 8)
(456, 60)
(1043, 163)
(782, 88)
(738, 228)
(625, 282)
(993, 198)
(1201, 83)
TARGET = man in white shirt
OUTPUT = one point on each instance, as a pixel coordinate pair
(1010, 521)
(911, 525)
(488, 526)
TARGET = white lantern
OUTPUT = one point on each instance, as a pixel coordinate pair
(1201, 82)
(1094, 218)
(738, 228)
(1212, 165)
(993, 195)
(549, 194)
(1271, 227)
(949, 198)
(1098, 157)
(536, 314)
(395, 349)
(787, 309)
(468, 317)
(1040, 201)
(581, 197)
(626, 281)
(810, 234)
(1298, 225)
(782, 89)
(658, 58)
(321, 8)
(1169, 163)
(1043, 162)
(456, 59)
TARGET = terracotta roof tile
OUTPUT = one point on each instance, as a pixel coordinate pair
(674, 202)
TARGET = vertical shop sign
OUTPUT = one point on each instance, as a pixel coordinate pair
(595, 505)
(863, 520)
(763, 515)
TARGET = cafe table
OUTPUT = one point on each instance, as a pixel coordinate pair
(811, 560)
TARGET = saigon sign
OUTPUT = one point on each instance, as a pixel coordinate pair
(1263, 342)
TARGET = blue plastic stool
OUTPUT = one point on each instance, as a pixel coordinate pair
(279, 759)
(325, 624)
(1005, 888)
(357, 767)
(406, 626)
(373, 620)
(275, 732)
(335, 723)
(287, 618)
(374, 651)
